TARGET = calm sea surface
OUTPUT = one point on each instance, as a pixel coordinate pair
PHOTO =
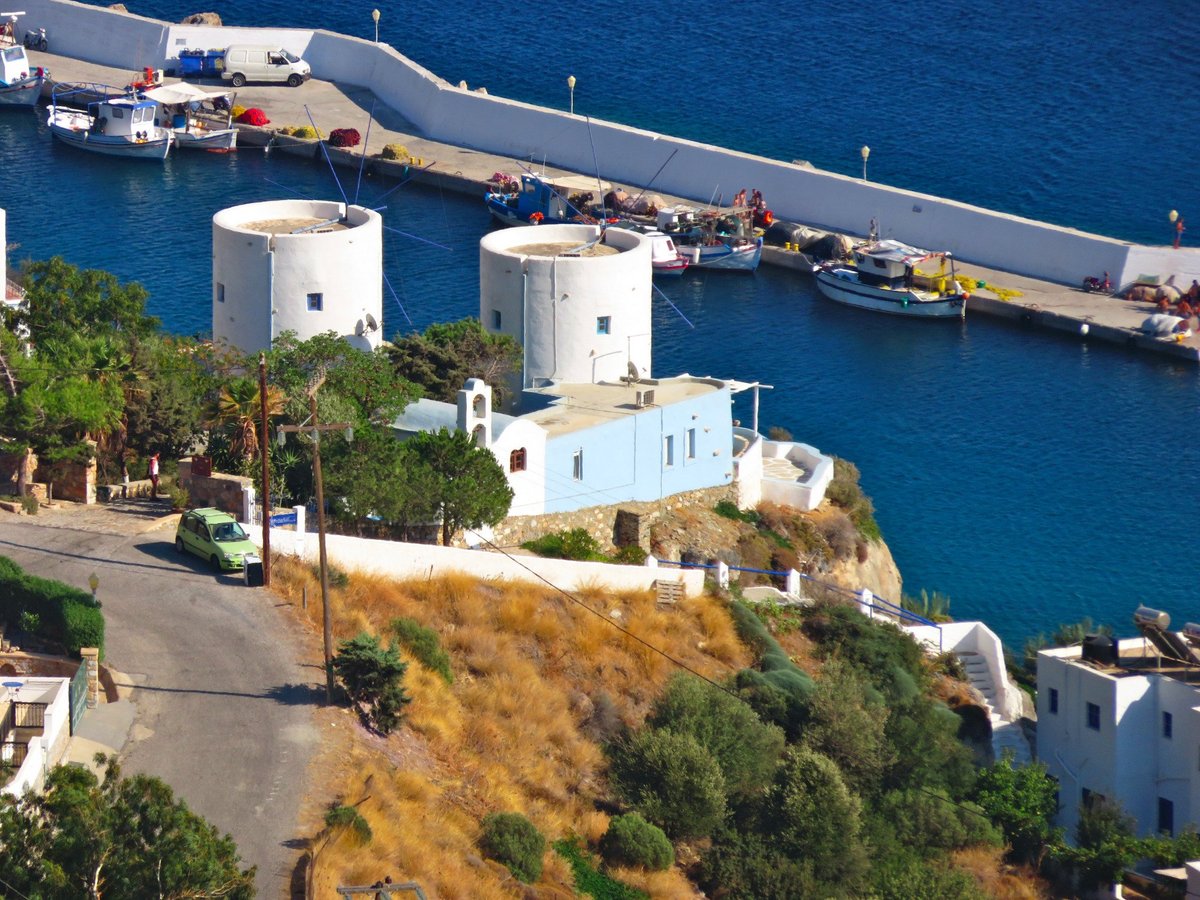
(1031, 477)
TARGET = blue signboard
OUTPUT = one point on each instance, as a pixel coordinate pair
(283, 519)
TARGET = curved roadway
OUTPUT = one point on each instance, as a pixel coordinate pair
(224, 707)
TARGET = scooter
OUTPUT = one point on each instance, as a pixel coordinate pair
(1094, 285)
(36, 40)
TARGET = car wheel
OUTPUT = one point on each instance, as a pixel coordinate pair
(216, 563)
(237, 80)
(178, 545)
(295, 81)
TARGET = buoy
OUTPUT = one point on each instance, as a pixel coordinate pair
(1084, 329)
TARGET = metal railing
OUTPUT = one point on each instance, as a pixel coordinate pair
(878, 604)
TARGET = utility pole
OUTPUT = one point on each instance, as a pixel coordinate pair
(266, 470)
(313, 428)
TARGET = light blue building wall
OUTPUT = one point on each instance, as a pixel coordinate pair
(642, 455)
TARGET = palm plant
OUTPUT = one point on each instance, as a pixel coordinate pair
(238, 411)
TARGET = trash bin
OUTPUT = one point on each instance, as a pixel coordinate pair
(252, 572)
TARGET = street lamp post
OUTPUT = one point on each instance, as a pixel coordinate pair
(375, 16)
(571, 88)
(865, 152)
(314, 429)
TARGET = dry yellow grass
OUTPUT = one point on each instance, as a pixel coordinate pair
(509, 733)
(998, 879)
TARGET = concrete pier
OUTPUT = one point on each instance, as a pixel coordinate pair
(1043, 304)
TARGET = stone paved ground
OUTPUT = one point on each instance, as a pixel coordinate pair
(124, 517)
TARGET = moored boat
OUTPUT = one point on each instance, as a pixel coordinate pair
(714, 238)
(197, 119)
(20, 82)
(665, 258)
(113, 126)
(537, 199)
(885, 276)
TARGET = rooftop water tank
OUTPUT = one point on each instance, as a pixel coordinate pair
(1100, 649)
(1191, 633)
(1144, 616)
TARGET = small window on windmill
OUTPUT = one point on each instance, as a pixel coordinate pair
(496, 319)
(604, 325)
(220, 292)
(316, 302)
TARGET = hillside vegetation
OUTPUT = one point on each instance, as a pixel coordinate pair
(824, 768)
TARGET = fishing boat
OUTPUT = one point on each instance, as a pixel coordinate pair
(115, 125)
(665, 258)
(887, 276)
(538, 199)
(20, 82)
(197, 119)
(722, 238)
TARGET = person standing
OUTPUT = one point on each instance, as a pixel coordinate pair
(154, 475)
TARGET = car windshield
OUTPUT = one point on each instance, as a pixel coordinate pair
(290, 57)
(228, 531)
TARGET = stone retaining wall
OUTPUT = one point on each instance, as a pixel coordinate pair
(70, 480)
(219, 490)
(601, 522)
(10, 470)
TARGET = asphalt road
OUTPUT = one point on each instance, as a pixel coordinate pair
(224, 705)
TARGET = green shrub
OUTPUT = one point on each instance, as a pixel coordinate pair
(671, 780)
(729, 510)
(65, 614)
(576, 544)
(845, 491)
(747, 864)
(513, 840)
(632, 841)
(348, 817)
(424, 644)
(589, 880)
(630, 555)
(29, 621)
(373, 678)
(746, 749)
(29, 503)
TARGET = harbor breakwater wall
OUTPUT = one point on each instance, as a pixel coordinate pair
(470, 118)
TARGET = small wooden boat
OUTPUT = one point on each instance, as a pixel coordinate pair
(714, 238)
(886, 276)
(544, 199)
(197, 119)
(20, 82)
(114, 126)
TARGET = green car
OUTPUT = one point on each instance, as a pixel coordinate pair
(216, 536)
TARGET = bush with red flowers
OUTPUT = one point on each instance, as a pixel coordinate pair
(344, 137)
(254, 116)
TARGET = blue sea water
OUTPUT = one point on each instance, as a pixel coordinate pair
(1033, 478)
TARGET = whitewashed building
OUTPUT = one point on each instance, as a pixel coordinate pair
(1121, 720)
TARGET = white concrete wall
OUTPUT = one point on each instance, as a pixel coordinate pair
(806, 494)
(44, 752)
(507, 127)
(400, 560)
(529, 487)
(975, 637)
(748, 470)
(266, 278)
(550, 304)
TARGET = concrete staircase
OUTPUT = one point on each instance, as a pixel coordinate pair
(1007, 736)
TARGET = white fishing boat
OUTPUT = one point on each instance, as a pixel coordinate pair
(20, 81)
(721, 238)
(665, 258)
(891, 277)
(197, 119)
(114, 125)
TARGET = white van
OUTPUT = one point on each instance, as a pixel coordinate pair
(253, 62)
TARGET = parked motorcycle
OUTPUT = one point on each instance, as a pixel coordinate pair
(1094, 285)
(36, 40)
